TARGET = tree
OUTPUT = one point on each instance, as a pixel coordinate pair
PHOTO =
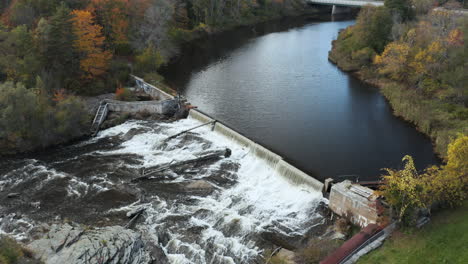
(153, 30)
(113, 15)
(394, 61)
(89, 42)
(401, 8)
(452, 182)
(59, 55)
(149, 60)
(29, 119)
(19, 59)
(406, 189)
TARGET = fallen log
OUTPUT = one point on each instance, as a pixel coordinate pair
(134, 218)
(204, 156)
(183, 132)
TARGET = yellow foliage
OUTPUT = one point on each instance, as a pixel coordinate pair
(406, 188)
(393, 61)
(455, 37)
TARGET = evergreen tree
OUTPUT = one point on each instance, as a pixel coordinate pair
(60, 56)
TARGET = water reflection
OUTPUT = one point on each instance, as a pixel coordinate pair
(280, 90)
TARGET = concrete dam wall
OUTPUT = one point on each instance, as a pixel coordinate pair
(286, 170)
(283, 168)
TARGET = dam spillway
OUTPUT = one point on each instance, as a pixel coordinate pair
(276, 162)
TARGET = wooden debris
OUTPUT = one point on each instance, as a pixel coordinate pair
(185, 131)
(205, 156)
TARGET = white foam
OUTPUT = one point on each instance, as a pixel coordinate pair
(259, 200)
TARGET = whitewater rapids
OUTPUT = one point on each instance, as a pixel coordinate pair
(250, 200)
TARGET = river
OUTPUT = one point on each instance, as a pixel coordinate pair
(273, 83)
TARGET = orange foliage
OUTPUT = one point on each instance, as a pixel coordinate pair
(5, 17)
(114, 16)
(59, 95)
(120, 90)
(89, 42)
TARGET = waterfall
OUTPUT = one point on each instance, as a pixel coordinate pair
(193, 114)
(297, 176)
(233, 135)
(271, 158)
(284, 169)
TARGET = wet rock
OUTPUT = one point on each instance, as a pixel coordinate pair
(200, 186)
(130, 134)
(284, 241)
(286, 256)
(13, 195)
(74, 244)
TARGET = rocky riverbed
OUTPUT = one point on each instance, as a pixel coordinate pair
(80, 203)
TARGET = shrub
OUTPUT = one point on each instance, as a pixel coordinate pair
(363, 56)
(11, 252)
(29, 118)
(149, 60)
(124, 94)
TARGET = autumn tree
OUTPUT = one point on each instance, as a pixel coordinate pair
(407, 189)
(450, 182)
(113, 15)
(394, 61)
(89, 42)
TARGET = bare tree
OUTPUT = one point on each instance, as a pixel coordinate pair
(155, 25)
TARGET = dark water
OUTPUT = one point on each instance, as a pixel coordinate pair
(274, 83)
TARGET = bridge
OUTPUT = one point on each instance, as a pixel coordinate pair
(344, 6)
(347, 3)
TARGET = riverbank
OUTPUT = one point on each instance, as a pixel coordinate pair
(184, 40)
(443, 240)
(428, 116)
(433, 105)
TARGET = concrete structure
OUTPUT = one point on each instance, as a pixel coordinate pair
(153, 107)
(345, 6)
(347, 3)
(355, 202)
(152, 90)
(282, 168)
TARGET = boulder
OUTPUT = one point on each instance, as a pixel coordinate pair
(13, 195)
(74, 244)
(200, 186)
(131, 133)
(286, 256)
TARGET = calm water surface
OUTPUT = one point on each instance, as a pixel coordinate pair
(274, 83)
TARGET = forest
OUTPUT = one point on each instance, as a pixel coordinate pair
(54, 50)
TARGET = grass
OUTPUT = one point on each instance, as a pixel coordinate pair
(11, 252)
(444, 240)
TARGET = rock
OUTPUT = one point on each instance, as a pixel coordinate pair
(200, 186)
(131, 133)
(286, 256)
(75, 245)
(13, 195)
(284, 241)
